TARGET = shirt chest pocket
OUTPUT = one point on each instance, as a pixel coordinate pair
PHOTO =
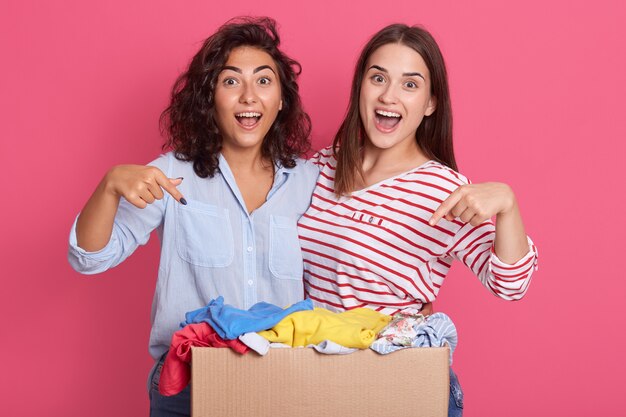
(204, 235)
(285, 257)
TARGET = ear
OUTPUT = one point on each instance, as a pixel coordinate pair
(432, 106)
(280, 105)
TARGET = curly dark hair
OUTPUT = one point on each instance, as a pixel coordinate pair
(189, 122)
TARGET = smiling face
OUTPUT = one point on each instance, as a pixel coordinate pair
(247, 98)
(395, 97)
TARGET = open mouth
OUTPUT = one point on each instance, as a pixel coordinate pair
(386, 121)
(248, 119)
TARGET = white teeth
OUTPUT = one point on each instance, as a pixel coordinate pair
(387, 113)
(248, 114)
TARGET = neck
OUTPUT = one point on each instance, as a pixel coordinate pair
(245, 159)
(394, 160)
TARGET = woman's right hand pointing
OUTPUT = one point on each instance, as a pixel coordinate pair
(141, 185)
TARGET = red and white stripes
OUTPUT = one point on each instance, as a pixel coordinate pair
(376, 249)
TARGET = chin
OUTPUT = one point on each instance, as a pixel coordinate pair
(248, 140)
(382, 143)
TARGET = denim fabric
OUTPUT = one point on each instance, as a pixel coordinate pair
(455, 404)
(178, 405)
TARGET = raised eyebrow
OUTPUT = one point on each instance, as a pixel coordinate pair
(406, 74)
(229, 67)
(414, 74)
(262, 67)
(378, 68)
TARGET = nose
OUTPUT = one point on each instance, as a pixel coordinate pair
(248, 95)
(388, 95)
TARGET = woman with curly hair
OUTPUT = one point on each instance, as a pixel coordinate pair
(234, 190)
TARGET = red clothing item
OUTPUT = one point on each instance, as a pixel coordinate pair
(176, 372)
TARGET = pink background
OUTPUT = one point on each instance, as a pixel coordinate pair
(538, 93)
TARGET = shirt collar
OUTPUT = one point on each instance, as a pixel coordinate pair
(280, 169)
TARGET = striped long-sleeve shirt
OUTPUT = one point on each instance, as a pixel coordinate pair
(376, 249)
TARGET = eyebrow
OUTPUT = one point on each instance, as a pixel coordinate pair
(257, 69)
(406, 74)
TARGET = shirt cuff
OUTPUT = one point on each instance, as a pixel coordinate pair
(527, 260)
(100, 255)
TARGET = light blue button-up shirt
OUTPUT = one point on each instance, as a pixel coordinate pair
(211, 246)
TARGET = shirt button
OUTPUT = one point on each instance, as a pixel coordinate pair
(371, 220)
(250, 282)
(249, 248)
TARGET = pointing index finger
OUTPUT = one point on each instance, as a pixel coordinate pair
(167, 185)
(445, 207)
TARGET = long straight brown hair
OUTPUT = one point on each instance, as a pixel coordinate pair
(433, 135)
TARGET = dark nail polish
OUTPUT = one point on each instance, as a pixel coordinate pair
(183, 201)
(180, 178)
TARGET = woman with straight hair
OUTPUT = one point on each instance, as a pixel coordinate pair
(225, 200)
(390, 212)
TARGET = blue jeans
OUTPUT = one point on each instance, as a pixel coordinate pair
(455, 403)
(178, 405)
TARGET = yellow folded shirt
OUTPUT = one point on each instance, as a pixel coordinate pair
(352, 329)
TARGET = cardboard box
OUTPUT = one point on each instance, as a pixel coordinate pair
(301, 382)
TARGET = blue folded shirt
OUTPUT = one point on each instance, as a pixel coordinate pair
(230, 322)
